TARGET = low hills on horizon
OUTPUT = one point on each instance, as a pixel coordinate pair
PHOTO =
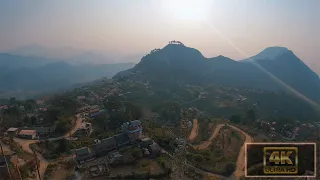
(26, 76)
(274, 69)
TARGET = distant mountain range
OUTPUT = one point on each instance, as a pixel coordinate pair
(22, 76)
(275, 68)
(71, 55)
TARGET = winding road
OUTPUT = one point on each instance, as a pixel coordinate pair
(241, 159)
(240, 164)
(206, 144)
(25, 145)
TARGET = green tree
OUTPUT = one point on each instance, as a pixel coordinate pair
(67, 105)
(12, 101)
(25, 119)
(230, 168)
(115, 107)
(218, 152)
(30, 104)
(169, 110)
(199, 158)
(62, 147)
(235, 119)
(250, 117)
(113, 103)
(133, 111)
(11, 117)
(33, 120)
(290, 123)
(136, 153)
(63, 125)
(46, 143)
(52, 114)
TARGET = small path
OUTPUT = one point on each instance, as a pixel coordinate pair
(25, 145)
(194, 131)
(241, 157)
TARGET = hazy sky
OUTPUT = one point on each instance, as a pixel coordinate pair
(137, 26)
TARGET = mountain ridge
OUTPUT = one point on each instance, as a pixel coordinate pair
(179, 62)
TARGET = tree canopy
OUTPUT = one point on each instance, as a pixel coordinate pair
(235, 119)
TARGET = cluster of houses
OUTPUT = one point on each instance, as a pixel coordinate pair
(88, 112)
(81, 98)
(99, 95)
(131, 133)
(31, 132)
(4, 107)
(91, 111)
(288, 134)
(37, 129)
(42, 130)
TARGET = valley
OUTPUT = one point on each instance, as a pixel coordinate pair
(89, 127)
(159, 90)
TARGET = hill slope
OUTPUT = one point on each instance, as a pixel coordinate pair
(176, 62)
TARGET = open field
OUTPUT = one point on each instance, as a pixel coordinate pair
(141, 168)
(59, 171)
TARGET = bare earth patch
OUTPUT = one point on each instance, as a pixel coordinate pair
(61, 172)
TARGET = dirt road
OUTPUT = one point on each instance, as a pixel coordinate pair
(206, 144)
(194, 130)
(241, 159)
(76, 126)
(25, 145)
(43, 166)
(6, 148)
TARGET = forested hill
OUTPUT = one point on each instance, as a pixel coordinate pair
(268, 70)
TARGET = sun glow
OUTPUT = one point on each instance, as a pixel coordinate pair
(187, 10)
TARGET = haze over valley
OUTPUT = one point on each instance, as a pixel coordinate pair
(159, 89)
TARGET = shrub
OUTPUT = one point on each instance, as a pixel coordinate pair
(230, 168)
(136, 153)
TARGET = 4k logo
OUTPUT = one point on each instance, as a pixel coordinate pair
(280, 160)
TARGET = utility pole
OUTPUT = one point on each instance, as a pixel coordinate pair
(15, 161)
(179, 157)
(5, 159)
(17, 167)
(36, 159)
